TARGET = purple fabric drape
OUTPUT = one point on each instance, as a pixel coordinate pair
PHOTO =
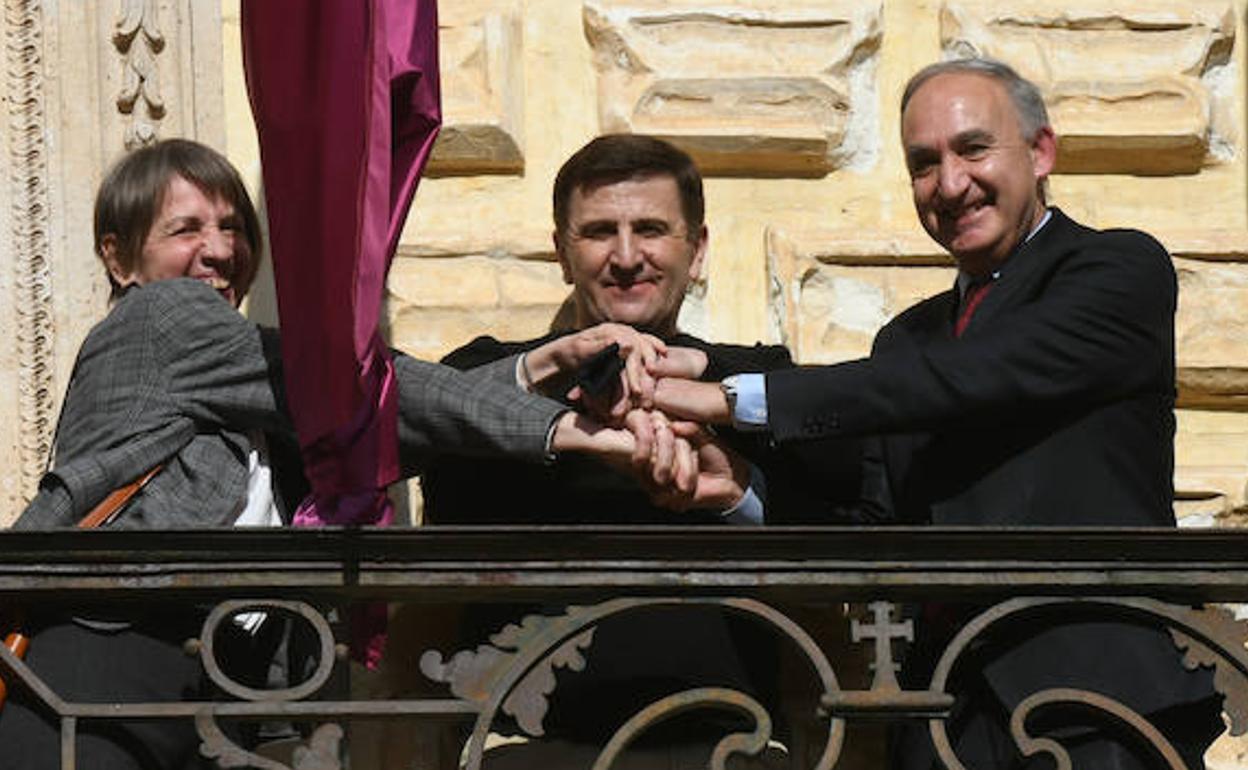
(345, 95)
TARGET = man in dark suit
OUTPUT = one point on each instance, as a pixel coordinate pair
(630, 236)
(1039, 390)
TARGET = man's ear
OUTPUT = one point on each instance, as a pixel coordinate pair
(699, 254)
(561, 253)
(1043, 152)
(109, 252)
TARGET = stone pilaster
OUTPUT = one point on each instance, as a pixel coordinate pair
(82, 82)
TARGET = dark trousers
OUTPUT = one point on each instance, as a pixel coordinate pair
(144, 662)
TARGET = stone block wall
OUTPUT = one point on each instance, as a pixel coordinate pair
(790, 108)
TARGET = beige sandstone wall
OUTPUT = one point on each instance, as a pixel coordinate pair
(790, 107)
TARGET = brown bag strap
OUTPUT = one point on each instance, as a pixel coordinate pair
(110, 506)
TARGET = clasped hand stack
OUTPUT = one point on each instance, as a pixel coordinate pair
(681, 463)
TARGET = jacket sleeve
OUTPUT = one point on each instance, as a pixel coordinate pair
(443, 410)
(229, 371)
(219, 367)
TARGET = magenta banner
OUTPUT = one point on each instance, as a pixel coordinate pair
(345, 95)
(346, 101)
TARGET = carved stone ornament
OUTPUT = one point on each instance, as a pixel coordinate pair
(138, 39)
(754, 88)
(1138, 88)
(481, 48)
(28, 239)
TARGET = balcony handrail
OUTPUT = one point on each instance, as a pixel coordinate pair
(509, 563)
(1158, 577)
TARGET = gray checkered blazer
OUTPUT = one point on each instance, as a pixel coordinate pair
(175, 375)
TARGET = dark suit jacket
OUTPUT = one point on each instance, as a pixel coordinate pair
(1055, 407)
(809, 483)
(640, 658)
(175, 375)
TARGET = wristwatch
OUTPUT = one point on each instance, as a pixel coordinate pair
(729, 386)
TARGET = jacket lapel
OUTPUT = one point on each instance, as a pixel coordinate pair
(1020, 272)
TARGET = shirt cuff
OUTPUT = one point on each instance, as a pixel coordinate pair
(750, 510)
(750, 411)
(551, 455)
(523, 380)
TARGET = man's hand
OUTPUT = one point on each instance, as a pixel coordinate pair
(682, 466)
(670, 473)
(723, 475)
(549, 367)
(685, 363)
(563, 356)
(702, 402)
(580, 433)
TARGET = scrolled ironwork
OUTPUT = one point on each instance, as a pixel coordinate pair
(217, 745)
(546, 636)
(1091, 701)
(1100, 573)
(227, 610)
(1221, 644)
(675, 704)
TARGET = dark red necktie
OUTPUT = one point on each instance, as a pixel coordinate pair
(975, 294)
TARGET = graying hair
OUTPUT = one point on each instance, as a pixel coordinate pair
(1028, 103)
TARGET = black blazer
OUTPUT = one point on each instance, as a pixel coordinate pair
(1055, 407)
(636, 660)
(815, 483)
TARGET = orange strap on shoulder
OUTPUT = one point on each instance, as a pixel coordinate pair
(110, 506)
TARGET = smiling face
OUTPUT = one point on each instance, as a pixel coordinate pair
(194, 236)
(628, 253)
(975, 177)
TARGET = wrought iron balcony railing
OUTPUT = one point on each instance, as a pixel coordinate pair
(1169, 579)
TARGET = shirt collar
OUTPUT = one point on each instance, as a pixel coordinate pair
(964, 280)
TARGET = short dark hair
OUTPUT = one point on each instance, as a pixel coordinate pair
(134, 189)
(614, 158)
(1024, 95)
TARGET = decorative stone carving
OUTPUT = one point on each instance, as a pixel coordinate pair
(137, 37)
(482, 89)
(755, 88)
(28, 242)
(1142, 88)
